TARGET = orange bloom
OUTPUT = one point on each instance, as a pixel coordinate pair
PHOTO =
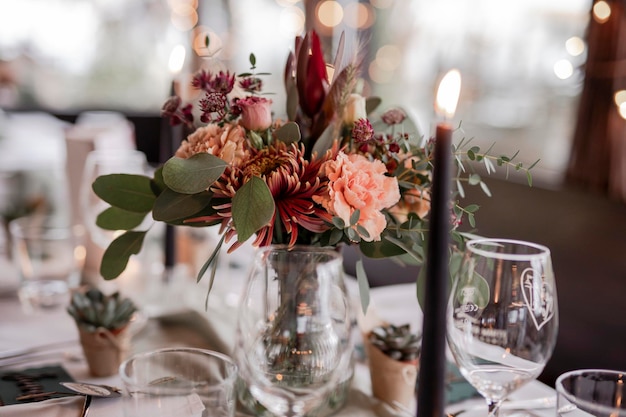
(228, 143)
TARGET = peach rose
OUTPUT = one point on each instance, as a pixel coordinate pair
(356, 183)
(355, 109)
(413, 201)
(256, 113)
(227, 143)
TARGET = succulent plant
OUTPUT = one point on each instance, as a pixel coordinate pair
(397, 342)
(92, 309)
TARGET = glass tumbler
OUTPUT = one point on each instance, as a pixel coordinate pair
(45, 253)
(179, 382)
(591, 392)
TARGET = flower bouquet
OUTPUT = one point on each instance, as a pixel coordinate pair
(333, 170)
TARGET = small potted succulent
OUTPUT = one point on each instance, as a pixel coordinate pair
(102, 322)
(393, 353)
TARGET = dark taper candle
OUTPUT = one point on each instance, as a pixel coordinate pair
(431, 389)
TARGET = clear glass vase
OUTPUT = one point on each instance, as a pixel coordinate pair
(294, 345)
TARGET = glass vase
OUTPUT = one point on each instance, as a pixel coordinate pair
(294, 344)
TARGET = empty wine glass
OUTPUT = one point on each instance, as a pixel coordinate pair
(103, 162)
(502, 316)
(294, 329)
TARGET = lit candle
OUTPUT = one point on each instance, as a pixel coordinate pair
(431, 391)
(170, 142)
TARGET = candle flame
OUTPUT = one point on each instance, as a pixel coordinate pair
(448, 93)
(177, 59)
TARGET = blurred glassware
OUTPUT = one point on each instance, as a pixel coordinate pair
(181, 382)
(591, 392)
(293, 342)
(103, 162)
(502, 316)
(45, 255)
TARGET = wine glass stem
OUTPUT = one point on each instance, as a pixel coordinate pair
(493, 407)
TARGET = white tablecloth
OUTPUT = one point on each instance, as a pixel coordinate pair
(179, 324)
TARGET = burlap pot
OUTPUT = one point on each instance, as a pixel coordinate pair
(104, 350)
(392, 381)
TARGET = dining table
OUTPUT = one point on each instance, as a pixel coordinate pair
(176, 312)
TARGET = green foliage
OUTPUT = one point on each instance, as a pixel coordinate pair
(92, 310)
(192, 175)
(117, 255)
(253, 208)
(397, 342)
(126, 191)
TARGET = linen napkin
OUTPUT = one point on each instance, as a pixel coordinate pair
(56, 407)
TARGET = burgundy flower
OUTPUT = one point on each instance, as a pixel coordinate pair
(201, 80)
(251, 84)
(312, 80)
(362, 131)
(393, 117)
(213, 104)
(222, 82)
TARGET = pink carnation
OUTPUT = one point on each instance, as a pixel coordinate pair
(256, 113)
(227, 142)
(356, 183)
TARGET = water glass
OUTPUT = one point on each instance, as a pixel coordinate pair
(179, 382)
(46, 255)
(591, 392)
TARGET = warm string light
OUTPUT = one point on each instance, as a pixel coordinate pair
(601, 11)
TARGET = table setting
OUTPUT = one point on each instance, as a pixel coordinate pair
(283, 331)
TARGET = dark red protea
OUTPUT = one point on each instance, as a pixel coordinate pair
(311, 77)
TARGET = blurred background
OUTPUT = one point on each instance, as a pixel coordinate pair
(545, 77)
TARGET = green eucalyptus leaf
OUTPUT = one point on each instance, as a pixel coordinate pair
(288, 133)
(117, 255)
(253, 208)
(127, 191)
(114, 218)
(372, 103)
(381, 249)
(194, 174)
(171, 206)
(364, 287)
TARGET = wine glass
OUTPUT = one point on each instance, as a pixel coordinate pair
(103, 162)
(502, 316)
(294, 329)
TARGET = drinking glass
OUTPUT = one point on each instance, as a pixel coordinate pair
(103, 162)
(591, 392)
(46, 257)
(179, 382)
(502, 316)
(293, 341)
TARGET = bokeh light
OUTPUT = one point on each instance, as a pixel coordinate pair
(382, 4)
(292, 21)
(379, 75)
(359, 15)
(575, 46)
(184, 18)
(329, 13)
(622, 110)
(563, 69)
(199, 45)
(177, 59)
(620, 97)
(389, 57)
(601, 11)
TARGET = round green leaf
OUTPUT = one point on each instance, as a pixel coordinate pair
(253, 208)
(126, 191)
(117, 255)
(288, 133)
(192, 175)
(115, 218)
(171, 206)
